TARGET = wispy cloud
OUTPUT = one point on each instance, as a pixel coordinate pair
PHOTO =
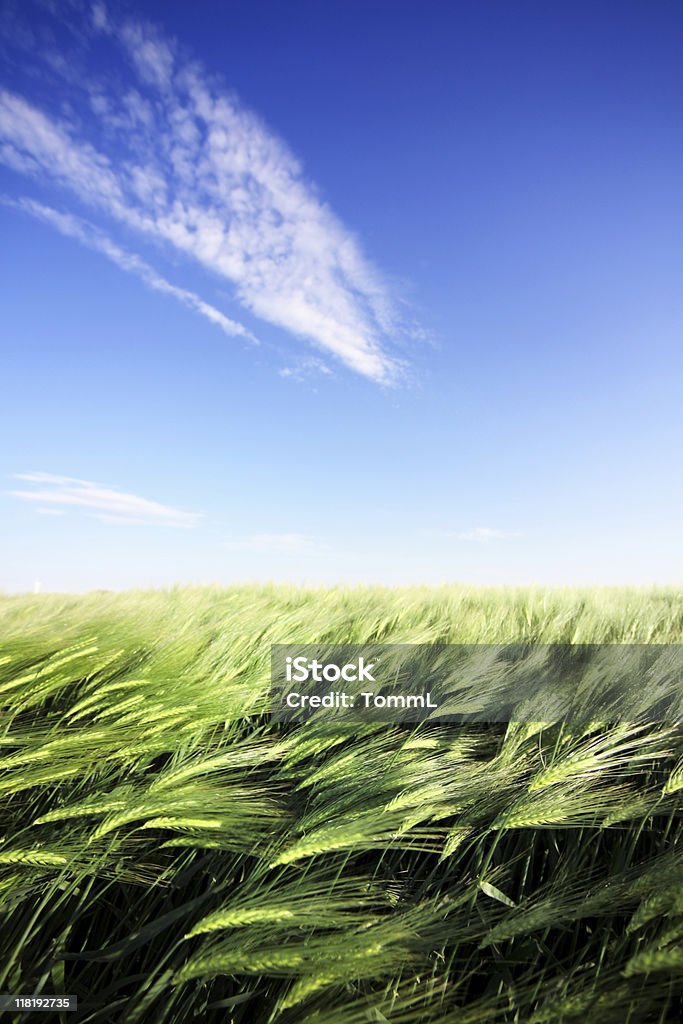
(275, 543)
(57, 494)
(87, 234)
(303, 369)
(485, 534)
(175, 157)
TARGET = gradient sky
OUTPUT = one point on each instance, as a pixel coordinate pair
(365, 292)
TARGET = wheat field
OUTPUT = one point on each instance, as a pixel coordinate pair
(170, 855)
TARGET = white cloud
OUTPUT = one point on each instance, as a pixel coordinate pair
(151, 55)
(76, 228)
(180, 160)
(57, 494)
(275, 543)
(30, 135)
(484, 534)
(303, 369)
(98, 14)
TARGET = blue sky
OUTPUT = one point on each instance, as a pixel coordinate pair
(340, 292)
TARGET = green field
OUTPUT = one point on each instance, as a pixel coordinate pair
(169, 855)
